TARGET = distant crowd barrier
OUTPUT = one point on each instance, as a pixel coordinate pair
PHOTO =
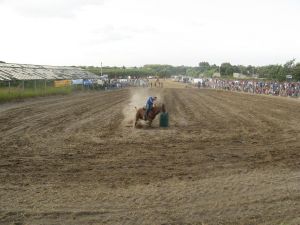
(86, 84)
(287, 89)
(109, 84)
(19, 89)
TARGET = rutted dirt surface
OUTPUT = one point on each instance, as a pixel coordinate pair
(227, 158)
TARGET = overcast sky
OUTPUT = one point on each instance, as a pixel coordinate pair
(138, 32)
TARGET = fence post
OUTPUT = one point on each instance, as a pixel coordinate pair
(9, 87)
(35, 85)
(45, 84)
(23, 85)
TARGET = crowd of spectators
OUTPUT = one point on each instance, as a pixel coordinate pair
(291, 89)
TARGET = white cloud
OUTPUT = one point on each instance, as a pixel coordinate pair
(136, 32)
(49, 8)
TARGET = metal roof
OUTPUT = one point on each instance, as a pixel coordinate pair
(9, 71)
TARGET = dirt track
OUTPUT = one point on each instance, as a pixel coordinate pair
(227, 158)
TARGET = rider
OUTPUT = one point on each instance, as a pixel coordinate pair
(149, 106)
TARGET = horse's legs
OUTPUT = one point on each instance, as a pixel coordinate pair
(136, 121)
(137, 118)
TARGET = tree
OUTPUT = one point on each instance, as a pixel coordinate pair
(289, 64)
(226, 69)
(250, 70)
(203, 66)
(236, 69)
(296, 72)
(192, 72)
(274, 72)
(288, 67)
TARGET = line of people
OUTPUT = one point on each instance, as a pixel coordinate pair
(291, 89)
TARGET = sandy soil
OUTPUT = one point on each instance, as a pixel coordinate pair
(227, 158)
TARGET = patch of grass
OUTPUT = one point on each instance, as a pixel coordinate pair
(12, 94)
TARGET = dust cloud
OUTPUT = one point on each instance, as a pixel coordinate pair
(138, 99)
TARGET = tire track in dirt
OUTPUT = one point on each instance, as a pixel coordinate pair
(58, 115)
(49, 143)
(267, 123)
(215, 164)
(209, 200)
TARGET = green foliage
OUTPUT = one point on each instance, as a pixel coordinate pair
(279, 72)
(273, 72)
(296, 72)
(146, 70)
(207, 70)
(210, 72)
(226, 69)
(7, 94)
(203, 67)
(192, 72)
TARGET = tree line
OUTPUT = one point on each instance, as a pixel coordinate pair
(226, 70)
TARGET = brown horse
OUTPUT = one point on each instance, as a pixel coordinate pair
(152, 114)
